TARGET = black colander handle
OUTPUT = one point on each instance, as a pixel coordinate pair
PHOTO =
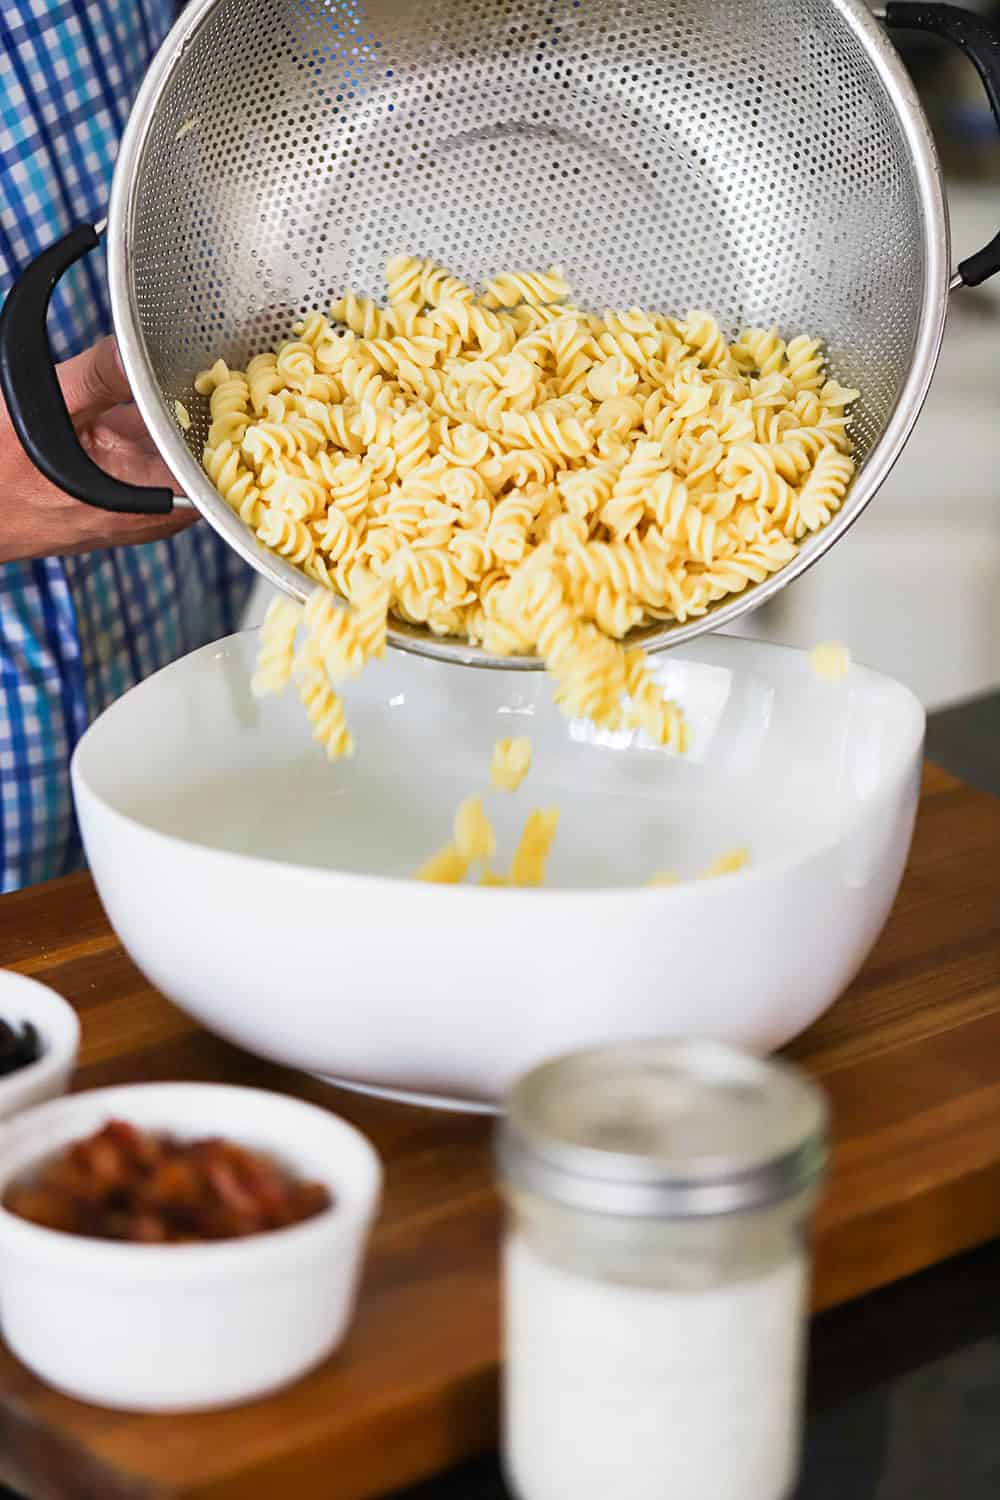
(979, 39)
(33, 395)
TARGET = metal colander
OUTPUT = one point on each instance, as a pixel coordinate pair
(766, 160)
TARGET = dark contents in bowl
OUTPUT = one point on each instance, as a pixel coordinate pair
(19, 1047)
(125, 1184)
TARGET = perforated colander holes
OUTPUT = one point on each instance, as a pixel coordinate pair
(659, 200)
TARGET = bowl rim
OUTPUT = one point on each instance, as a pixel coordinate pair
(756, 872)
(352, 1210)
(58, 1027)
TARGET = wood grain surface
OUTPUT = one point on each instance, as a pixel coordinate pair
(910, 1057)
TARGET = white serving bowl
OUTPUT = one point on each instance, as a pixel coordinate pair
(267, 892)
(185, 1327)
(23, 999)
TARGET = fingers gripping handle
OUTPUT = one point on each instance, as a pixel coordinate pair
(33, 395)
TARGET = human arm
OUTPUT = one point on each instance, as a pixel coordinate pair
(39, 520)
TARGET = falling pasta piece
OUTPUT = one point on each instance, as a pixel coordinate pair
(650, 710)
(830, 661)
(183, 416)
(322, 705)
(727, 864)
(276, 651)
(664, 878)
(511, 763)
(474, 837)
(448, 866)
(528, 866)
(349, 638)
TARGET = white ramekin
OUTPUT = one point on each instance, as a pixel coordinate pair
(23, 999)
(186, 1327)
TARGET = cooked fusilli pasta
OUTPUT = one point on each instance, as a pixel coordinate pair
(448, 866)
(515, 471)
(830, 661)
(727, 864)
(532, 853)
(474, 842)
(339, 641)
(511, 763)
(322, 705)
(474, 835)
(276, 652)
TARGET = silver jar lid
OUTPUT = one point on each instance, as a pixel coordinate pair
(663, 1129)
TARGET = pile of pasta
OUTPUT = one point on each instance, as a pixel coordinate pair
(513, 470)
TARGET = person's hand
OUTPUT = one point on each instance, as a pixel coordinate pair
(39, 520)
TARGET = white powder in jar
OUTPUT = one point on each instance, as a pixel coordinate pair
(622, 1392)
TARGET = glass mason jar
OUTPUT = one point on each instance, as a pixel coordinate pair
(657, 1270)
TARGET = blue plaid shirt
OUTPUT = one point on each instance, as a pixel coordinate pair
(76, 632)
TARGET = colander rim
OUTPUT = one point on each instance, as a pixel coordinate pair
(660, 636)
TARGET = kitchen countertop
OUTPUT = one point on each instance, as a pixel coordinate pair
(904, 1384)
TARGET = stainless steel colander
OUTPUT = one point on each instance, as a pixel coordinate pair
(764, 159)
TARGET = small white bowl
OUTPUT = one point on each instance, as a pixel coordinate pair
(23, 999)
(187, 1327)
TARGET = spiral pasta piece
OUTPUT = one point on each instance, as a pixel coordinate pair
(511, 763)
(402, 278)
(473, 832)
(296, 363)
(236, 483)
(332, 637)
(614, 614)
(760, 351)
(532, 854)
(323, 707)
(284, 535)
(448, 866)
(410, 440)
(702, 333)
(438, 287)
(229, 406)
(336, 536)
(276, 651)
(824, 490)
(524, 286)
(369, 613)
(511, 522)
(649, 709)
(629, 496)
(362, 316)
(544, 429)
(804, 363)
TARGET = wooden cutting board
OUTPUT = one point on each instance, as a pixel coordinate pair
(910, 1057)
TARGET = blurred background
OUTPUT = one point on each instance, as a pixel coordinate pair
(914, 589)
